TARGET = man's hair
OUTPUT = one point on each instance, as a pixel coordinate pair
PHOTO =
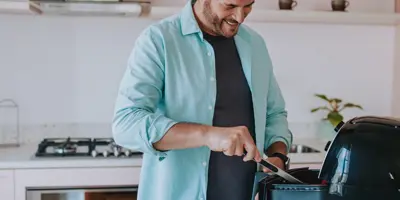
(193, 1)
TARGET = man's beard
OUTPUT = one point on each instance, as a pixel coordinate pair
(212, 19)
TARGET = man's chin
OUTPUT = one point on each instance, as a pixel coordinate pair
(230, 34)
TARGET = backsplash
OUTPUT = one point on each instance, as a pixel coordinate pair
(64, 72)
(35, 133)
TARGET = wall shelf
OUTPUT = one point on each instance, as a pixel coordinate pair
(286, 16)
(257, 15)
(15, 7)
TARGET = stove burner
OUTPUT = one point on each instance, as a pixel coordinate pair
(51, 147)
(69, 148)
(81, 147)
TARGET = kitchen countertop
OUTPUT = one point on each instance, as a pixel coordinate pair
(23, 158)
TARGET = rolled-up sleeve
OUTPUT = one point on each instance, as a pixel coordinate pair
(136, 122)
(277, 128)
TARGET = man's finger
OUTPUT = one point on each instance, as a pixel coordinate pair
(266, 170)
(250, 152)
(229, 149)
(257, 156)
(239, 148)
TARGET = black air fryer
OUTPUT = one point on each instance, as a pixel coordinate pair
(362, 162)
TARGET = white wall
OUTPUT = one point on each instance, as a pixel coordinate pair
(67, 69)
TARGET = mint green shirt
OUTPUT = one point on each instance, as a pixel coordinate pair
(170, 78)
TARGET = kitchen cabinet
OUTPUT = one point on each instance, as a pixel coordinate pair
(107, 196)
(68, 179)
(7, 184)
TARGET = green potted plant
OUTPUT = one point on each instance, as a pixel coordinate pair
(334, 108)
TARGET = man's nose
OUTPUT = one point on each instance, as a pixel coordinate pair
(239, 15)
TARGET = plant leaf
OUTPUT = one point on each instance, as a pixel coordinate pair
(351, 105)
(319, 108)
(321, 96)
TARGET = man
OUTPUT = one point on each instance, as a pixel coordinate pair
(199, 93)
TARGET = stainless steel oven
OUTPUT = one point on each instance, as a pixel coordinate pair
(90, 193)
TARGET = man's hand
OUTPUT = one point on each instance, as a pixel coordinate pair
(232, 141)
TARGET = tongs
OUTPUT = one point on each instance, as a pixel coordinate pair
(276, 170)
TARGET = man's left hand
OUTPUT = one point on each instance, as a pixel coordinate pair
(275, 161)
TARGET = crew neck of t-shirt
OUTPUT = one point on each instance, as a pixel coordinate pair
(214, 38)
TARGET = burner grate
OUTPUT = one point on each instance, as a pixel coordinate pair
(81, 147)
(64, 147)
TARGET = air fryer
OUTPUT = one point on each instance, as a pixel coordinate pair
(362, 162)
(364, 157)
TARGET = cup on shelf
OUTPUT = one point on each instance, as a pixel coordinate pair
(339, 5)
(287, 4)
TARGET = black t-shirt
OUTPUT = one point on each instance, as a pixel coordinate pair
(230, 178)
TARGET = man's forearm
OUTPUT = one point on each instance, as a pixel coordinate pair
(183, 136)
(277, 147)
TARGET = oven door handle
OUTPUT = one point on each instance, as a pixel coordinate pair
(55, 190)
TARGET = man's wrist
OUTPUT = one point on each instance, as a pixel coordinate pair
(204, 132)
(285, 160)
(277, 147)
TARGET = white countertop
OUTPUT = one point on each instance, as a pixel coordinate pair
(23, 158)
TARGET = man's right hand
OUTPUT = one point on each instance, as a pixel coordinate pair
(232, 141)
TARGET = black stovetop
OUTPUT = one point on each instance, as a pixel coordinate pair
(76, 147)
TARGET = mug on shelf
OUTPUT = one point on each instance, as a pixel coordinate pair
(287, 4)
(339, 5)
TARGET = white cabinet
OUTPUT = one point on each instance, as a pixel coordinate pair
(73, 177)
(7, 184)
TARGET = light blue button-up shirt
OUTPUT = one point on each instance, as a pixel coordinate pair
(170, 78)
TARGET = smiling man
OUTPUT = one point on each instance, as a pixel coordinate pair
(199, 98)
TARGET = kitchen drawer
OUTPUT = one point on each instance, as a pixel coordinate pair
(7, 184)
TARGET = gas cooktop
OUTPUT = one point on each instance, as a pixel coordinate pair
(82, 147)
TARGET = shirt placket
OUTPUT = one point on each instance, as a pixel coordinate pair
(211, 79)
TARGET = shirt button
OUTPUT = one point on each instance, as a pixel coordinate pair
(209, 53)
(204, 164)
(201, 198)
(209, 107)
(212, 79)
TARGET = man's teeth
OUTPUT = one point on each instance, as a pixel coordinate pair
(231, 23)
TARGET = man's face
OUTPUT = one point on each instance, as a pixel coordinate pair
(225, 16)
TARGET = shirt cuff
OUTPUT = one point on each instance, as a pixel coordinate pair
(158, 129)
(286, 141)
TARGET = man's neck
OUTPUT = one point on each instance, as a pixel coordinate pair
(200, 18)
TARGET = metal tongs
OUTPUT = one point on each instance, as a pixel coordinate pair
(276, 170)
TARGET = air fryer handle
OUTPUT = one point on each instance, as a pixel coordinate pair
(328, 144)
(340, 124)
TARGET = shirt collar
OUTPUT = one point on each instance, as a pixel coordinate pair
(188, 21)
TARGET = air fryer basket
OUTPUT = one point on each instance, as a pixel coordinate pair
(275, 188)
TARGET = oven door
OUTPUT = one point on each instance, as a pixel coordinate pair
(103, 193)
